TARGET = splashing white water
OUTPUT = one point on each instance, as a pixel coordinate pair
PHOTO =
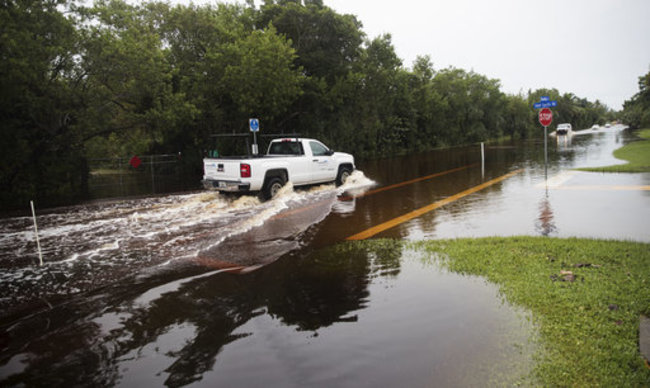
(89, 245)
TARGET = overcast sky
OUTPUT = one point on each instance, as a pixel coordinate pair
(596, 49)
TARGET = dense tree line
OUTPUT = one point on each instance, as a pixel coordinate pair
(114, 79)
(636, 110)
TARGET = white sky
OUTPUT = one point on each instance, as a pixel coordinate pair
(596, 49)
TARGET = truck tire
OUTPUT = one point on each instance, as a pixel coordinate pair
(271, 187)
(343, 175)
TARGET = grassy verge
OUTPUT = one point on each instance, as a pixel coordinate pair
(588, 320)
(637, 154)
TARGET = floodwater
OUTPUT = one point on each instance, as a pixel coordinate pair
(202, 289)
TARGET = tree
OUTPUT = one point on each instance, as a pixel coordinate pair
(131, 105)
(636, 111)
(328, 46)
(259, 76)
(39, 150)
(471, 104)
(517, 121)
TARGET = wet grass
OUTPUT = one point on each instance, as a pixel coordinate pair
(586, 297)
(636, 153)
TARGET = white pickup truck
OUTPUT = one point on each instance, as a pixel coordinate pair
(296, 160)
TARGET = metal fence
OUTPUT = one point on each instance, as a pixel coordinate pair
(154, 174)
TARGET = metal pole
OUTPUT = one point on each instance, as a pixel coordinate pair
(38, 243)
(482, 160)
(153, 182)
(545, 153)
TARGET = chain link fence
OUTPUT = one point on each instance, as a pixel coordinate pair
(141, 175)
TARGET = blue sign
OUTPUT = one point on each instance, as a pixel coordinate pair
(545, 102)
(254, 125)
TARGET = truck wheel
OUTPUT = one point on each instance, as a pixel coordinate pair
(343, 175)
(271, 187)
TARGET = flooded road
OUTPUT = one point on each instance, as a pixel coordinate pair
(204, 289)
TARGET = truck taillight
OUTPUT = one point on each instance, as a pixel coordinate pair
(245, 170)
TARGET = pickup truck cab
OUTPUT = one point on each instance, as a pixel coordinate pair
(297, 160)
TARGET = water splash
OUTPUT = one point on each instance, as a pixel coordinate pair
(87, 246)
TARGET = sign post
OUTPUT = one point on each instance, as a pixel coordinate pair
(545, 118)
(254, 125)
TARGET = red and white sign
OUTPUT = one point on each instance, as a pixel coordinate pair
(545, 117)
(135, 161)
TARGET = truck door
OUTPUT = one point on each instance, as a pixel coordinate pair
(322, 164)
(299, 162)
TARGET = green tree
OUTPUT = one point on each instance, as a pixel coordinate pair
(636, 110)
(471, 104)
(131, 105)
(39, 150)
(328, 46)
(517, 121)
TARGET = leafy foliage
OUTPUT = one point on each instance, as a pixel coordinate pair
(636, 111)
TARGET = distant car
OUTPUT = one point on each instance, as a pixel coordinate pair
(595, 127)
(563, 129)
(608, 125)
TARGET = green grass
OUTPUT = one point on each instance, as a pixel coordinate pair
(588, 328)
(637, 154)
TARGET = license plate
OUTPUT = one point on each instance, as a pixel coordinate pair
(222, 185)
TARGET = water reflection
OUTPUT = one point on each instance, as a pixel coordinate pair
(106, 338)
(343, 316)
(564, 143)
(545, 223)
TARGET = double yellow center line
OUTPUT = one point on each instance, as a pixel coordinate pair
(417, 213)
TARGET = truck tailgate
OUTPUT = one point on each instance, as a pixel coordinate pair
(221, 169)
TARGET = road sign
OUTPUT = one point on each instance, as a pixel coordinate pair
(545, 117)
(135, 161)
(254, 125)
(545, 104)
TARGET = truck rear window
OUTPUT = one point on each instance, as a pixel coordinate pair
(286, 148)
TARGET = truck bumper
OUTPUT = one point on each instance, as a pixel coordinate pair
(229, 186)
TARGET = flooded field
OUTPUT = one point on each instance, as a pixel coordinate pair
(204, 289)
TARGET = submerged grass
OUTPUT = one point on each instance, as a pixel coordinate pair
(588, 319)
(636, 153)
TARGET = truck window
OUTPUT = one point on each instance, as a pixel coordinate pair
(286, 148)
(317, 149)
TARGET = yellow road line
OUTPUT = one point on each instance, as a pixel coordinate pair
(396, 185)
(416, 213)
(604, 187)
(347, 198)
